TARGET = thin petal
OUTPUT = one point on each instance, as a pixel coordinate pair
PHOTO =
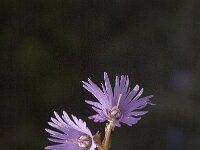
(108, 87)
(130, 120)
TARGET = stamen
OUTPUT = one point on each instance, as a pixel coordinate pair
(114, 113)
(119, 99)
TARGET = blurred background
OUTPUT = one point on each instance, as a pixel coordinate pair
(49, 47)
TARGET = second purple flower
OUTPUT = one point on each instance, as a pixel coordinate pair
(120, 104)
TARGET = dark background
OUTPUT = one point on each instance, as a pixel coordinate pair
(49, 47)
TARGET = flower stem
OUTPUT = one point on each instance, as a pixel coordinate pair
(107, 140)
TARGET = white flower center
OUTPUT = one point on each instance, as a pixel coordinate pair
(114, 113)
(85, 141)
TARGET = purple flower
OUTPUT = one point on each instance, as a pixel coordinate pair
(121, 105)
(70, 135)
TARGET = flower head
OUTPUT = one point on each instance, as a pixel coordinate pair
(70, 135)
(119, 105)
